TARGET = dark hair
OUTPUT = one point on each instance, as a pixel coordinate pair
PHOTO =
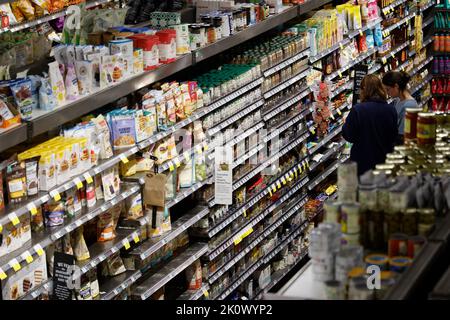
(401, 78)
(372, 88)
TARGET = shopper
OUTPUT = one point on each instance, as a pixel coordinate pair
(371, 125)
(396, 83)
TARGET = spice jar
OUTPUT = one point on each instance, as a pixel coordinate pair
(426, 221)
(426, 129)
(410, 131)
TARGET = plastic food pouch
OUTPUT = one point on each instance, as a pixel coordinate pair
(84, 71)
(71, 83)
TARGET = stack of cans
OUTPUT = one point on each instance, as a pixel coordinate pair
(347, 182)
(324, 245)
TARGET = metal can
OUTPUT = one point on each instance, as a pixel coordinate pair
(348, 258)
(332, 211)
(350, 218)
(409, 224)
(348, 176)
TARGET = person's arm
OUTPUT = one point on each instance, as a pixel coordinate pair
(401, 119)
(350, 129)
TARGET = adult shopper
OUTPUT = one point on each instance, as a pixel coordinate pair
(371, 126)
(396, 83)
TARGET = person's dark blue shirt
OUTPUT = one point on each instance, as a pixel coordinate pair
(372, 128)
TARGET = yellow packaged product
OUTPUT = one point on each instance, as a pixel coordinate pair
(85, 161)
(16, 11)
(75, 159)
(63, 164)
(26, 8)
(129, 168)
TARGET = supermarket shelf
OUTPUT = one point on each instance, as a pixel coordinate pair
(287, 124)
(425, 44)
(279, 275)
(414, 275)
(256, 198)
(425, 102)
(420, 66)
(375, 68)
(441, 95)
(327, 155)
(37, 291)
(246, 133)
(352, 64)
(338, 111)
(388, 30)
(213, 253)
(393, 52)
(19, 210)
(239, 183)
(248, 155)
(345, 41)
(240, 114)
(186, 192)
(442, 231)
(392, 6)
(427, 6)
(304, 53)
(263, 235)
(179, 226)
(86, 104)
(263, 261)
(100, 251)
(325, 140)
(249, 33)
(338, 91)
(287, 103)
(194, 294)
(13, 136)
(117, 284)
(303, 73)
(326, 173)
(422, 84)
(184, 157)
(428, 22)
(442, 289)
(41, 240)
(46, 18)
(171, 270)
(309, 5)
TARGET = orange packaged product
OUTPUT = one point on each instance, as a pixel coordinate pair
(16, 11)
(26, 8)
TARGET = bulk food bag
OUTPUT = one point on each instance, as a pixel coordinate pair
(155, 190)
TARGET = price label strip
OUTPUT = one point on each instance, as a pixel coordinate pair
(27, 257)
(14, 219)
(15, 265)
(88, 177)
(32, 208)
(55, 195)
(38, 250)
(78, 183)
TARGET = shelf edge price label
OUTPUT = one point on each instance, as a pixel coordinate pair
(55, 195)
(15, 265)
(270, 192)
(187, 156)
(78, 183)
(32, 208)
(27, 257)
(171, 166)
(3, 275)
(38, 250)
(177, 162)
(283, 180)
(136, 238)
(14, 219)
(1, 228)
(278, 185)
(205, 293)
(274, 188)
(123, 158)
(88, 177)
(126, 244)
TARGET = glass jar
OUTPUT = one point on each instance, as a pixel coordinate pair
(410, 131)
(426, 129)
(426, 221)
(409, 225)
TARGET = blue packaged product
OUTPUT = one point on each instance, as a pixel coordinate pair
(378, 37)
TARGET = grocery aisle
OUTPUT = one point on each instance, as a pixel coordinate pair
(169, 159)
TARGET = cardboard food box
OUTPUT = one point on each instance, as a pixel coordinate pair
(14, 237)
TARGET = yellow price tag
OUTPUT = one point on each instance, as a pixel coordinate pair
(78, 183)
(341, 45)
(296, 174)
(300, 168)
(27, 257)
(205, 293)
(55, 195)
(270, 192)
(32, 208)
(291, 175)
(3, 275)
(126, 244)
(339, 111)
(274, 188)
(330, 190)
(199, 150)
(171, 166)
(187, 156)
(136, 238)
(88, 177)
(340, 74)
(237, 240)
(205, 147)
(38, 250)
(283, 180)
(278, 184)
(307, 164)
(15, 265)
(13, 218)
(384, 60)
(177, 162)
(123, 158)
(360, 32)
(1, 228)
(245, 213)
(392, 55)
(312, 130)
(304, 165)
